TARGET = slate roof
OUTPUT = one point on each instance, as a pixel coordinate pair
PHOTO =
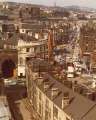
(27, 38)
(80, 107)
(35, 64)
(91, 114)
(8, 27)
(13, 38)
(31, 26)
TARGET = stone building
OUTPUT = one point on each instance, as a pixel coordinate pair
(52, 100)
(8, 54)
(29, 47)
(29, 11)
(88, 43)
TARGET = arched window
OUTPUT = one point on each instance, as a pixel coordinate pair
(21, 61)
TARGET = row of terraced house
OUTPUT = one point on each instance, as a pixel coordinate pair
(53, 100)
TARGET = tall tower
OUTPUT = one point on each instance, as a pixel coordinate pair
(54, 3)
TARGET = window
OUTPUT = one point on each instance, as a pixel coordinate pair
(39, 95)
(47, 110)
(21, 74)
(21, 61)
(32, 49)
(46, 115)
(35, 49)
(27, 59)
(55, 112)
(47, 104)
(40, 109)
(40, 49)
(27, 49)
(23, 30)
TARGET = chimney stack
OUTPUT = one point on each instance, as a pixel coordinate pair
(89, 95)
(40, 80)
(75, 86)
(55, 92)
(65, 100)
(46, 85)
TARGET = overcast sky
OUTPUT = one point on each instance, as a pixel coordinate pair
(86, 3)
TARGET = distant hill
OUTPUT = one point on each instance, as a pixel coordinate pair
(76, 8)
(73, 7)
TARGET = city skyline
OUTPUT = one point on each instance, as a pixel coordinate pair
(83, 3)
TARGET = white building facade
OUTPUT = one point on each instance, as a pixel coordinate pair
(26, 50)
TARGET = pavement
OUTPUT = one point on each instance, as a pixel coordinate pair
(24, 112)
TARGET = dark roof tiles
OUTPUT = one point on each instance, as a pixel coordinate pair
(79, 106)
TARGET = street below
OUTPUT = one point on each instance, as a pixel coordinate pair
(15, 95)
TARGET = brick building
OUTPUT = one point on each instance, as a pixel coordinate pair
(88, 43)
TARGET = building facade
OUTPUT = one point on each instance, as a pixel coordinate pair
(27, 50)
(52, 100)
(88, 44)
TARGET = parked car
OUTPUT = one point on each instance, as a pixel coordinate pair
(9, 82)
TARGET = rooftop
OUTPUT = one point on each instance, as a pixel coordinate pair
(79, 107)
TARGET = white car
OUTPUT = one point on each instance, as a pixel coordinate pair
(8, 82)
